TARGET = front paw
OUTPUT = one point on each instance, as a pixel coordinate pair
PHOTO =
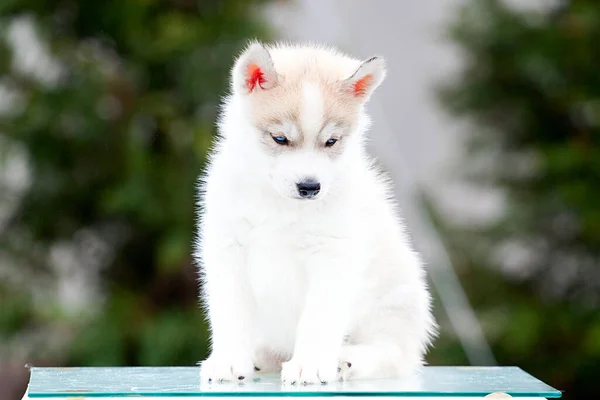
(226, 368)
(305, 373)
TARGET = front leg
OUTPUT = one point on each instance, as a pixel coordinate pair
(333, 281)
(230, 307)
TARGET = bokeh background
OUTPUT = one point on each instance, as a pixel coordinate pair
(489, 123)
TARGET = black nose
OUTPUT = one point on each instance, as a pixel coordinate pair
(308, 188)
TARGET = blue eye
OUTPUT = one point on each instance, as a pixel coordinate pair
(330, 142)
(280, 140)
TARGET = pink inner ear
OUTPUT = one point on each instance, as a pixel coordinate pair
(360, 87)
(254, 77)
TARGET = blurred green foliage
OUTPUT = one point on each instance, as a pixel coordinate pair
(113, 123)
(531, 89)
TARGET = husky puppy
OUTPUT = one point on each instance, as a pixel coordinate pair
(305, 266)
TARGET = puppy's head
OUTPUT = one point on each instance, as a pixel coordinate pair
(305, 105)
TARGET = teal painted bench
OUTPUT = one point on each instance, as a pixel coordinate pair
(177, 382)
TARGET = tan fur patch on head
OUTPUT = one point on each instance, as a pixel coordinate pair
(325, 68)
(276, 106)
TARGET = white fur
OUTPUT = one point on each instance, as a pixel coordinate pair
(305, 286)
(311, 112)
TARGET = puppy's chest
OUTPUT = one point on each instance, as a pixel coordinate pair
(276, 269)
(278, 246)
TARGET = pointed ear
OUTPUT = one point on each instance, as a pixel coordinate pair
(366, 79)
(254, 70)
